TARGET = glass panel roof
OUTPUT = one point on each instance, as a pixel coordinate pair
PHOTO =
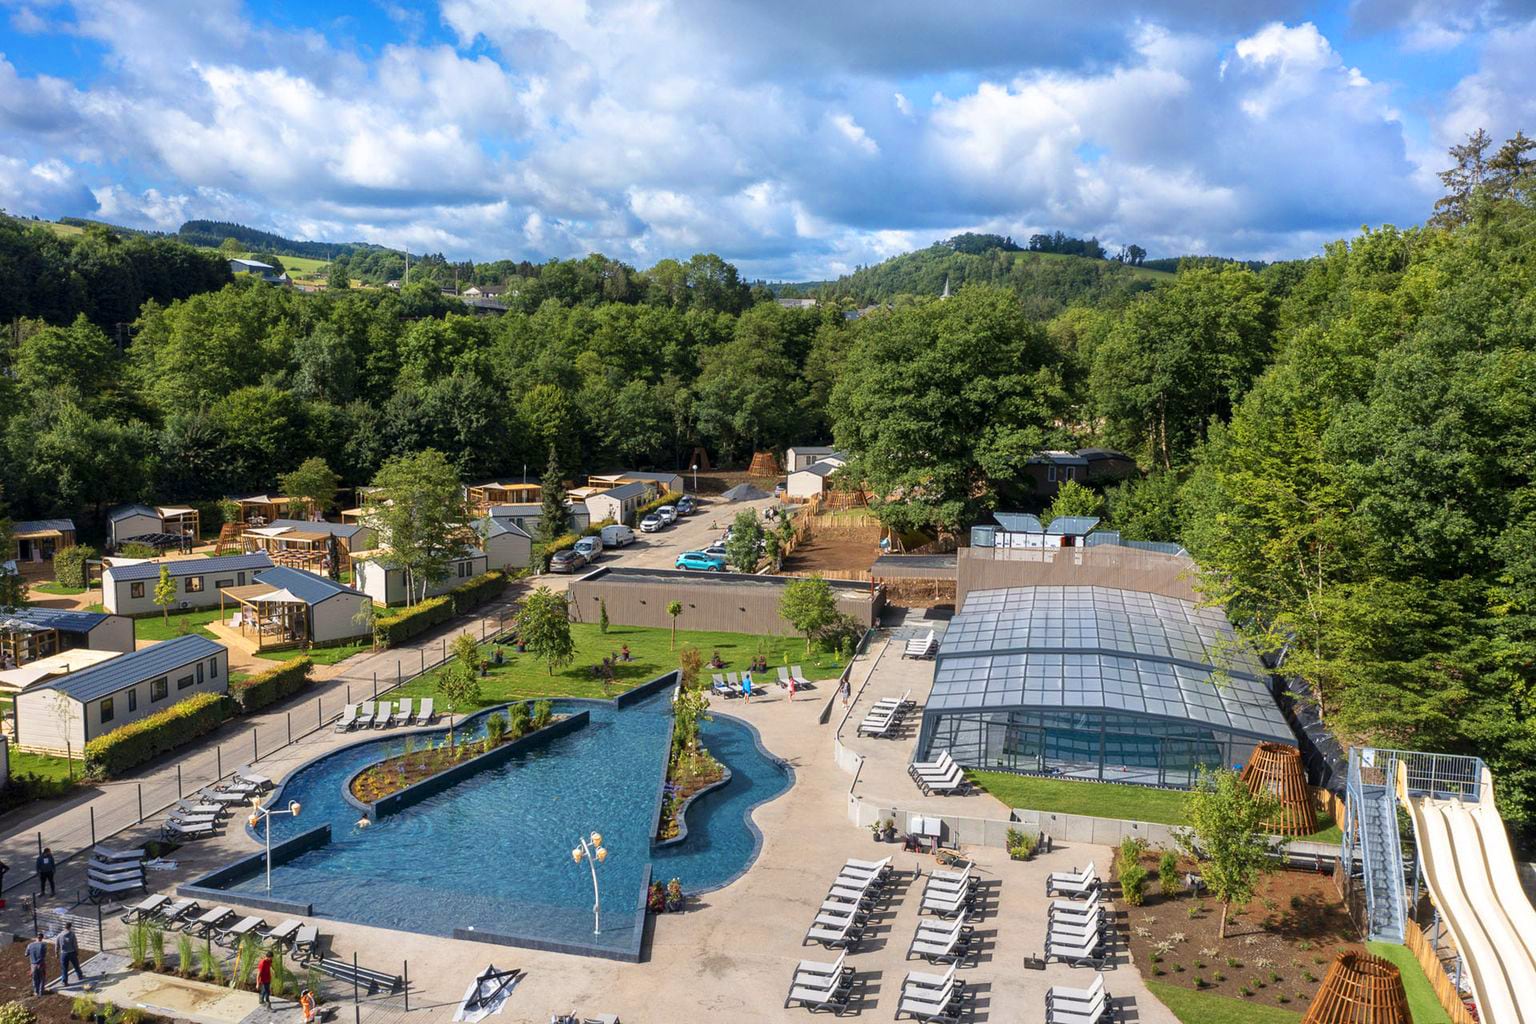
(1092, 647)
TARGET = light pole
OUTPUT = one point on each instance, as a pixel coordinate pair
(264, 814)
(695, 478)
(594, 855)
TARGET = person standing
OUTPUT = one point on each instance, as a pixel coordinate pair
(69, 955)
(847, 687)
(45, 869)
(307, 1006)
(37, 957)
(746, 686)
(264, 979)
(791, 687)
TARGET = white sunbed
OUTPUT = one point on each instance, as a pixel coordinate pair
(428, 713)
(174, 912)
(832, 937)
(146, 908)
(385, 716)
(365, 714)
(917, 981)
(98, 887)
(189, 830)
(349, 716)
(108, 853)
(224, 797)
(1066, 994)
(928, 1004)
(232, 935)
(209, 920)
(399, 716)
(407, 711)
(798, 675)
(254, 778)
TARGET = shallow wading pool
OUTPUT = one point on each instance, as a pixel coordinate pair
(493, 853)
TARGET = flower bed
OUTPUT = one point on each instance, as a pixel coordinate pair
(689, 774)
(414, 766)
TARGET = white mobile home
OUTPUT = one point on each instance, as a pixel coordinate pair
(130, 589)
(126, 522)
(812, 480)
(620, 503)
(526, 517)
(36, 540)
(162, 525)
(75, 709)
(375, 574)
(288, 607)
(506, 545)
(27, 634)
(796, 459)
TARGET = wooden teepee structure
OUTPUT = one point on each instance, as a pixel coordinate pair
(1360, 989)
(1275, 768)
(764, 464)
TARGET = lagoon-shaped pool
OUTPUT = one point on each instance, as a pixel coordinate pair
(493, 853)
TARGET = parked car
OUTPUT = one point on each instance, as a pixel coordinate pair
(617, 536)
(668, 514)
(651, 523)
(686, 506)
(716, 550)
(700, 561)
(590, 546)
(569, 560)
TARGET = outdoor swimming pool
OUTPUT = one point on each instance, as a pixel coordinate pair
(493, 852)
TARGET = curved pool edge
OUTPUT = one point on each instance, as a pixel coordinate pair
(749, 812)
(682, 812)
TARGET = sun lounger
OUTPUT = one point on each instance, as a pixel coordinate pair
(366, 712)
(948, 886)
(1072, 908)
(173, 830)
(204, 923)
(110, 853)
(920, 647)
(224, 798)
(283, 934)
(798, 675)
(348, 718)
(820, 969)
(940, 764)
(399, 716)
(406, 714)
(306, 942)
(881, 867)
(1088, 874)
(734, 680)
(844, 934)
(1068, 995)
(101, 889)
(930, 1004)
(938, 948)
(1086, 952)
(723, 688)
(946, 785)
(816, 994)
(1062, 1015)
(109, 869)
(427, 714)
(176, 911)
(146, 907)
(254, 778)
(1073, 932)
(382, 718)
(919, 981)
(946, 904)
(230, 936)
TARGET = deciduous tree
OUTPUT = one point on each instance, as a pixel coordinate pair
(543, 624)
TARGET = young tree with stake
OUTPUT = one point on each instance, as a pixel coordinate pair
(1227, 836)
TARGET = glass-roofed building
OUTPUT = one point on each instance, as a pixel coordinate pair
(1096, 683)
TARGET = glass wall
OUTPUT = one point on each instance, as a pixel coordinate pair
(1089, 744)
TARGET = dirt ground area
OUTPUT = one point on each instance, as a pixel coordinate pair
(16, 982)
(832, 553)
(1277, 949)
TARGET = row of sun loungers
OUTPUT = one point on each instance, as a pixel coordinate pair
(383, 714)
(223, 926)
(885, 714)
(1064, 1005)
(942, 775)
(840, 920)
(1075, 927)
(950, 893)
(925, 646)
(729, 684)
(203, 815)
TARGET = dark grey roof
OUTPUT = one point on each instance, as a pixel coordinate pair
(820, 468)
(1058, 458)
(812, 449)
(65, 620)
(1071, 526)
(43, 525)
(191, 567)
(1018, 522)
(121, 672)
(496, 526)
(1102, 649)
(940, 567)
(124, 511)
(630, 490)
(344, 530)
(306, 586)
(498, 511)
(1100, 454)
(651, 476)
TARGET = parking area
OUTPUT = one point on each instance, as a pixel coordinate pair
(693, 533)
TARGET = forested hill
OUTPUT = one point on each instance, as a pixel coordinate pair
(212, 233)
(1045, 282)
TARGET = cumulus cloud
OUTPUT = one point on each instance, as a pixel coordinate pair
(796, 139)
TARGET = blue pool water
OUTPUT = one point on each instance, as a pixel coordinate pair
(493, 853)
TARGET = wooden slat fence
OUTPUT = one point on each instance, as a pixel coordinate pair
(1450, 1000)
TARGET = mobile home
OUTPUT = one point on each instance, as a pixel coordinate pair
(130, 589)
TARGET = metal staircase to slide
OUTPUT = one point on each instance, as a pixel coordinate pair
(1373, 810)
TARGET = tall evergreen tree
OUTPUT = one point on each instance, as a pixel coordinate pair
(552, 517)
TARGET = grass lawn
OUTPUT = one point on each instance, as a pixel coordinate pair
(45, 766)
(521, 677)
(1104, 800)
(56, 588)
(1422, 1004)
(157, 628)
(320, 655)
(1193, 1007)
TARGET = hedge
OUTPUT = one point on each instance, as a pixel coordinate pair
(417, 619)
(123, 749)
(543, 552)
(255, 692)
(667, 498)
(69, 565)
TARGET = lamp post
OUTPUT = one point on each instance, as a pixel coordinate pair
(264, 814)
(594, 855)
(695, 468)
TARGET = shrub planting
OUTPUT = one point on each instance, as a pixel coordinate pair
(137, 742)
(273, 685)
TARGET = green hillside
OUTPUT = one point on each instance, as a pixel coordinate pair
(1045, 282)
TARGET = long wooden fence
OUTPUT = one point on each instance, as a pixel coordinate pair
(1450, 1000)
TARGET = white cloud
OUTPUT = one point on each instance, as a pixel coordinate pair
(1500, 95)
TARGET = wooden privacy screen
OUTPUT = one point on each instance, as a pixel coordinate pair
(1275, 768)
(1360, 989)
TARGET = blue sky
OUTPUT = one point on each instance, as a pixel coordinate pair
(799, 139)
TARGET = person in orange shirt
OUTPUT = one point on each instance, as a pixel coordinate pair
(307, 1004)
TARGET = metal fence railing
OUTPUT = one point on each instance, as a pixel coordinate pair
(125, 805)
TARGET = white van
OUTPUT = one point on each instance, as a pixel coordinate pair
(591, 546)
(617, 536)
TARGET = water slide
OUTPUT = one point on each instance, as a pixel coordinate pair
(1472, 878)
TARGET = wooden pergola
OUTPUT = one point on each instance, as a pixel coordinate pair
(302, 549)
(263, 508)
(1276, 769)
(483, 496)
(182, 520)
(269, 617)
(21, 642)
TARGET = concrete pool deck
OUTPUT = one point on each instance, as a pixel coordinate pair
(730, 956)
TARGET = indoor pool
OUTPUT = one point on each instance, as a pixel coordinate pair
(493, 852)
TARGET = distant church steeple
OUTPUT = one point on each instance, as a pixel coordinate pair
(945, 294)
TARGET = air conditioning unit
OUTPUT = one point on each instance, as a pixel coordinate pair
(185, 605)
